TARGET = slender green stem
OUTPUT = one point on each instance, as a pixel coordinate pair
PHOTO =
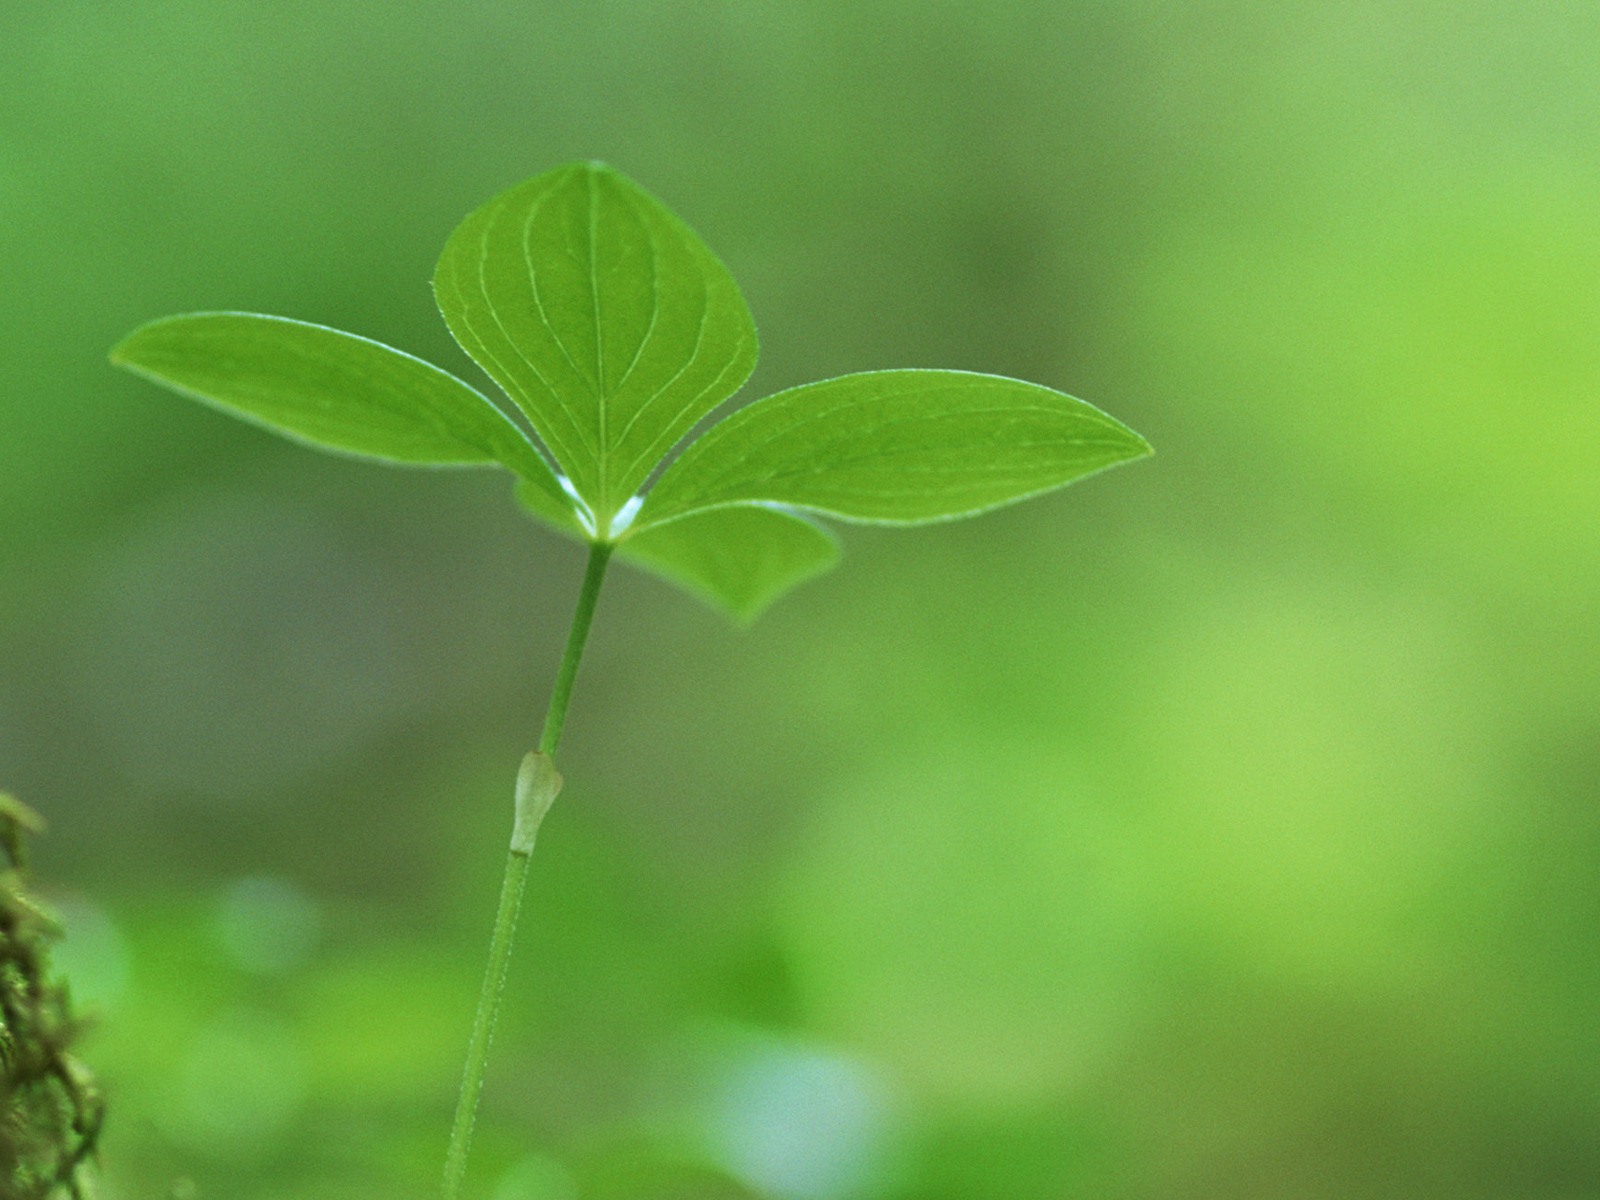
(494, 982)
(556, 716)
(536, 788)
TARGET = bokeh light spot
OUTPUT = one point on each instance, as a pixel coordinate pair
(267, 925)
(801, 1122)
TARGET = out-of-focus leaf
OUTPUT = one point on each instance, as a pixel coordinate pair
(738, 559)
(603, 316)
(897, 447)
(333, 390)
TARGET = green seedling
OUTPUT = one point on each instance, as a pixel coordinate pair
(615, 332)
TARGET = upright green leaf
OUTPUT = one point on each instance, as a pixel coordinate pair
(898, 447)
(738, 559)
(331, 389)
(602, 315)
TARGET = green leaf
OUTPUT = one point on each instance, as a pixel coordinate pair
(896, 447)
(738, 559)
(536, 504)
(603, 316)
(560, 514)
(332, 390)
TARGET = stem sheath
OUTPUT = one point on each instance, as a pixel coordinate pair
(516, 873)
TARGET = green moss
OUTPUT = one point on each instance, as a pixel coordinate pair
(50, 1108)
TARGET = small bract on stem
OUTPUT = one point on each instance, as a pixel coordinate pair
(615, 331)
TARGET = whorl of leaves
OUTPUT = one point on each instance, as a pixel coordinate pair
(50, 1109)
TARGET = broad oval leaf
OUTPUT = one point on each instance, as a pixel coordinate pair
(894, 447)
(738, 559)
(330, 389)
(603, 316)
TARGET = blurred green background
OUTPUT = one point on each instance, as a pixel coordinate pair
(1224, 827)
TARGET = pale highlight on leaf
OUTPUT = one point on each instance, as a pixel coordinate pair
(332, 390)
(895, 447)
(602, 315)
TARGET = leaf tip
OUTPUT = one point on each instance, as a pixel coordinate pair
(119, 354)
(597, 167)
(1135, 444)
(125, 352)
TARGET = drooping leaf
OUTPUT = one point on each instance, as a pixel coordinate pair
(333, 390)
(602, 315)
(738, 559)
(896, 447)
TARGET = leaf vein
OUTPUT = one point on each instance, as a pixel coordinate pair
(830, 411)
(666, 429)
(558, 444)
(655, 313)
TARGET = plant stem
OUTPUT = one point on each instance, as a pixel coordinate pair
(516, 874)
(556, 716)
(494, 980)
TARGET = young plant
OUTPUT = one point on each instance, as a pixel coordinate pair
(615, 331)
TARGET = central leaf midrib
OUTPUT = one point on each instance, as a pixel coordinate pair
(604, 456)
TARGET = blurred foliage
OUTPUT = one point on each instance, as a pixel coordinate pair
(50, 1109)
(1222, 828)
